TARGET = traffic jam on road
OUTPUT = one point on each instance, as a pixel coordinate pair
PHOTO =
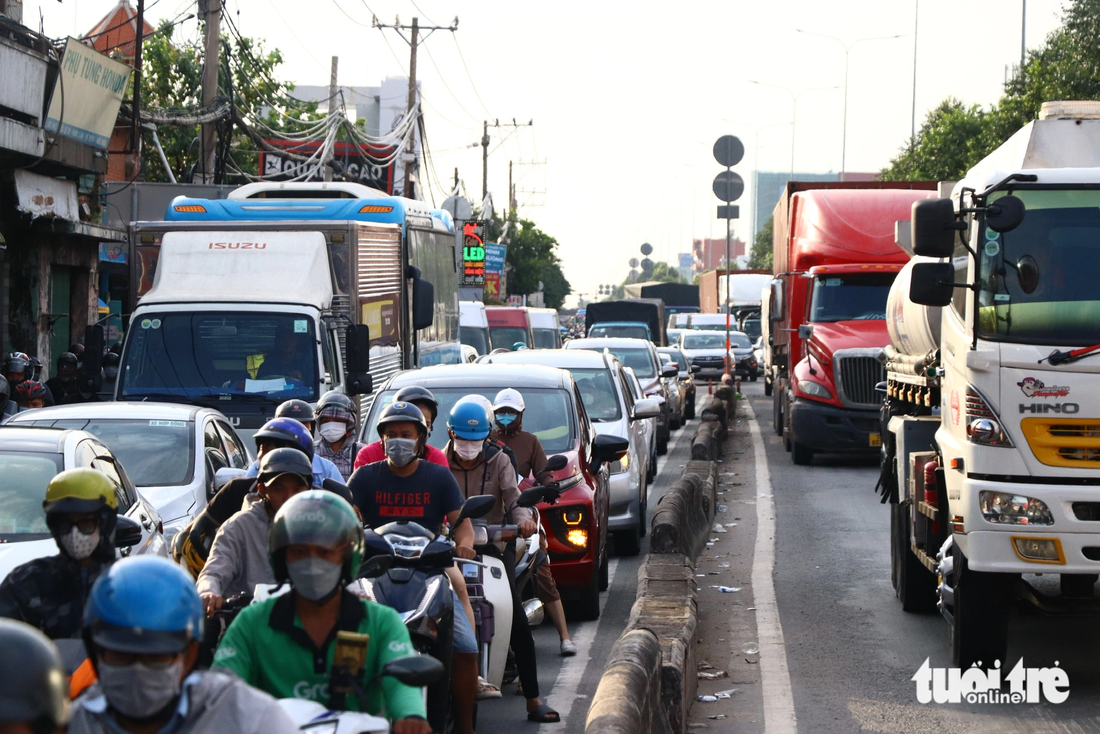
(294, 438)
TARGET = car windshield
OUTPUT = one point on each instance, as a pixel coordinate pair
(476, 337)
(546, 338)
(704, 341)
(548, 414)
(640, 360)
(602, 331)
(678, 358)
(598, 393)
(850, 297)
(22, 490)
(220, 356)
(1054, 252)
(710, 327)
(156, 453)
(504, 337)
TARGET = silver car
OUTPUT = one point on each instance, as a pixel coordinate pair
(614, 411)
(172, 452)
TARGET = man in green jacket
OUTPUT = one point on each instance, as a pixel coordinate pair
(285, 645)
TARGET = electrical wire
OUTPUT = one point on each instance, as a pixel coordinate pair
(454, 37)
(448, 86)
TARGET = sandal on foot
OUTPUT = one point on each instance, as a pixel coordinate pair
(544, 715)
(486, 690)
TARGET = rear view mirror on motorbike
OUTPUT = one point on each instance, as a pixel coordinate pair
(338, 488)
(415, 670)
(478, 506)
(375, 566)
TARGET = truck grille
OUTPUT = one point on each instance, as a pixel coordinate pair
(858, 371)
(1073, 442)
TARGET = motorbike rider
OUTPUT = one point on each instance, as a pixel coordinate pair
(322, 468)
(337, 417)
(404, 486)
(286, 645)
(422, 398)
(66, 387)
(141, 630)
(238, 557)
(479, 471)
(33, 696)
(20, 367)
(29, 395)
(48, 593)
(508, 410)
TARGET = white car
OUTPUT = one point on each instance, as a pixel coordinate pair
(613, 411)
(649, 425)
(29, 459)
(707, 350)
(172, 452)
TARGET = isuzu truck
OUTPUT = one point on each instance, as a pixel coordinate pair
(991, 464)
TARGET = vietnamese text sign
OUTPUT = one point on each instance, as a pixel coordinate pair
(359, 164)
(473, 255)
(494, 258)
(87, 95)
(492, 285)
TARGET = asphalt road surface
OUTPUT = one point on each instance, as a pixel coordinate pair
(567, 684)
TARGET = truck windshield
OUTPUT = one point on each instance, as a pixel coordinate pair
(625, 331)
(546, 338)
(228, 356)
(850, 297)
(505, 337)
(475, 337)
(1038, 282)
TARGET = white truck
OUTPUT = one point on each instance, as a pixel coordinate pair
(991, 457)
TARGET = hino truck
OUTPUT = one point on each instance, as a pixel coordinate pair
(835, 258)
(246, 302)
(991, 463)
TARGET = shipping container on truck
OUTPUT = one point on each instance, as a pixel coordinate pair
(745, 288)
(628, 317)
(225, 286)
(835, 258)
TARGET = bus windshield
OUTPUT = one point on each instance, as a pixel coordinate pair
(234, 356)
(1038, 282)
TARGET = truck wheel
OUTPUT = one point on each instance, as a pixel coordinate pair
(662, 446)
(689, 409)
(752, 377)
(801, 454)
(777, 414)
(979, 623)
(915, 585)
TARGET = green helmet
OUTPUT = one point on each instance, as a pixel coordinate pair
(316, 517)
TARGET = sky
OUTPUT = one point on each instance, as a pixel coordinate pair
(627, 98)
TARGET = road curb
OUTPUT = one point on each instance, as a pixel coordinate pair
(627, 698)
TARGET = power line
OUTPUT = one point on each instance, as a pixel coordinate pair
(468, 76)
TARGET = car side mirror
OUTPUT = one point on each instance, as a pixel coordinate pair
(607, 448)
(932, 284)
(375, 566)
(415, 670)
(695, 369)
(647, 408)
(557, 462)
(225, 475)
(423, 299)
(357, 377)
(670, 370)
(933, 227)
(127, 532)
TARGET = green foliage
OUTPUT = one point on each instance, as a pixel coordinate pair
(955, 136)
(760, 256)
(531, 258)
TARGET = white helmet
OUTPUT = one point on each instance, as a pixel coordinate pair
(509, 398)
(480, 400)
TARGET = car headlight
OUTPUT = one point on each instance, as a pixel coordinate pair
(816, 389)
(1014, 509)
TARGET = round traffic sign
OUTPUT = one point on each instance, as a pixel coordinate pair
(632, 262)
(647, 249)
(647, 266)
(728, 186)
(728, 151)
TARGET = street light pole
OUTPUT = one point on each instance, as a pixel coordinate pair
(794, 107)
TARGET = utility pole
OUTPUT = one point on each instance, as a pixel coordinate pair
(916, 23)
(212, 12)
(135, 131)
(414, 42)
(333, 90)
(485, 160)
(511, 189)
(1023, 36)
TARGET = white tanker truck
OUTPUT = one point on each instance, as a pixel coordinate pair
(991, 422)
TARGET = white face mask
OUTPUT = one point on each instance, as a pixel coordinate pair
(468, 450)
(78, 545)
(333, 431)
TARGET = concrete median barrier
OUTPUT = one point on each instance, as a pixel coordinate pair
(628, 698)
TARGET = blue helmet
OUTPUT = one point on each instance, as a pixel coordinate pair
(470, 420)
(288, 431)
(145, 604)
(518, 347)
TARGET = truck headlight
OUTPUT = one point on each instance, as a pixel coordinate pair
(1014, 509)
(816, 389)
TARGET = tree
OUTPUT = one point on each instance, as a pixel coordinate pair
(665, 273)
(760, 256)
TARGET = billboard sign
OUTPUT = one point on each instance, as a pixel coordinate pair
(87, 95)
(494, 258)
(473, 255)
(492, 285)
(359, 163)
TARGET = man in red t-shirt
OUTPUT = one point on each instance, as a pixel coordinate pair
(422, 398)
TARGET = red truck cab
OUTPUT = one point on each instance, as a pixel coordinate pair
(835, 257)
(509, 325)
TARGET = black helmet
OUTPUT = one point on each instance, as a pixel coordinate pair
(67, 358)
(316, 518)
(416, 395)
(335, 398)
(285, 461)
(299, 410)
(32, 690)
(289, 431)
(402, 412)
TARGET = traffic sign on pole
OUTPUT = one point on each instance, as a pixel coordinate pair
(728, 151)
(728, 186)
(728, 211)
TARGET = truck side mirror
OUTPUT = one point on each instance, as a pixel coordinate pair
(357, 377)
(423, 297)
(1005, 214)
(805, 331)
(776, 307)
(932, 284)
(933, 222)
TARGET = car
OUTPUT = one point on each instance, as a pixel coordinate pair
(30, 456)
(707, 350)
(686, 376)
(613, 411)
(676, 391)
(576, 526)
(173, 452)
(674, 335)
(642, 356)
(649, 425)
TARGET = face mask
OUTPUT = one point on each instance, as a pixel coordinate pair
(401, 451)
(78, 545)
(333, 431)
(506, 419)
(468, 450)
(313, 578)
(140, 691)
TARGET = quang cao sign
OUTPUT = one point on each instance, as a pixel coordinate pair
(473, 255)
(360, 164)
(87, 95)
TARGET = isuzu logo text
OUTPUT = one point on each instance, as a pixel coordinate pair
(237, 246)
(1025, 685)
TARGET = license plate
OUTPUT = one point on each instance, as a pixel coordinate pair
(874, 439)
